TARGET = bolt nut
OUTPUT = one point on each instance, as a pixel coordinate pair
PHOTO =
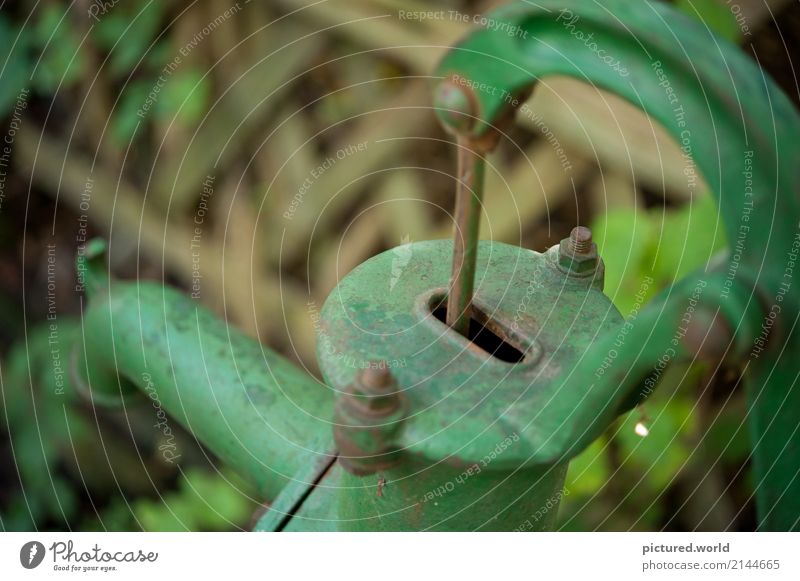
(577, 255)
(374, 392)
(580, 240)
(369, 416)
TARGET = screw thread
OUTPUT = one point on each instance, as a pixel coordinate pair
(375, 380)
(580, 240)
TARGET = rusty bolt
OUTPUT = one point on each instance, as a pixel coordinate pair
(374, 391)
(577, 255)
(376, 378)
(369, 416)
(580, 240)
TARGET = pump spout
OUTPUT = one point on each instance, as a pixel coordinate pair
(250, 406)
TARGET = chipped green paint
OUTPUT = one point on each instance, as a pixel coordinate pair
(251, 407)
(741, 131)
(468, 408)
(463, 400)
(520, 423)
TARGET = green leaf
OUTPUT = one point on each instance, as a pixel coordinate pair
(221, 498)
(689, 238)
(172, 513)
(660, 455)
(18, 66)
(728, 436)
(589, 471)
(62, 62)
(127, 31)
(126, 117)
(205, 500)
(715, 14)
(116, 516)
(647, 251)
(185, 97)
(625, 241)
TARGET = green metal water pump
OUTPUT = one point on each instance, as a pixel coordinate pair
(456, 401)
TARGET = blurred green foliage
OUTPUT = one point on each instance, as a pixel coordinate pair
(137, 49)
(203, 502)
(651, 249)
(661, 245)
(71, 482)
(718, 16)
(62, 64)
(58, 441)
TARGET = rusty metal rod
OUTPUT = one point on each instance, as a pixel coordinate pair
(469, 193)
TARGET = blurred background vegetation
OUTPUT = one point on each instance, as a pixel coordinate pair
(132, 105)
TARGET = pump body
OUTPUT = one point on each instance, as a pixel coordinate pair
(418, 427)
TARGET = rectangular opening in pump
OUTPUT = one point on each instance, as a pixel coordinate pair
(484, 333)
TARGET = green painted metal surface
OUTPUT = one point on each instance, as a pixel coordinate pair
(415, 496)
(251, 407)
(463, 400)
(739, 130)
(473, 426)
(484, 442)
(420, 496)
